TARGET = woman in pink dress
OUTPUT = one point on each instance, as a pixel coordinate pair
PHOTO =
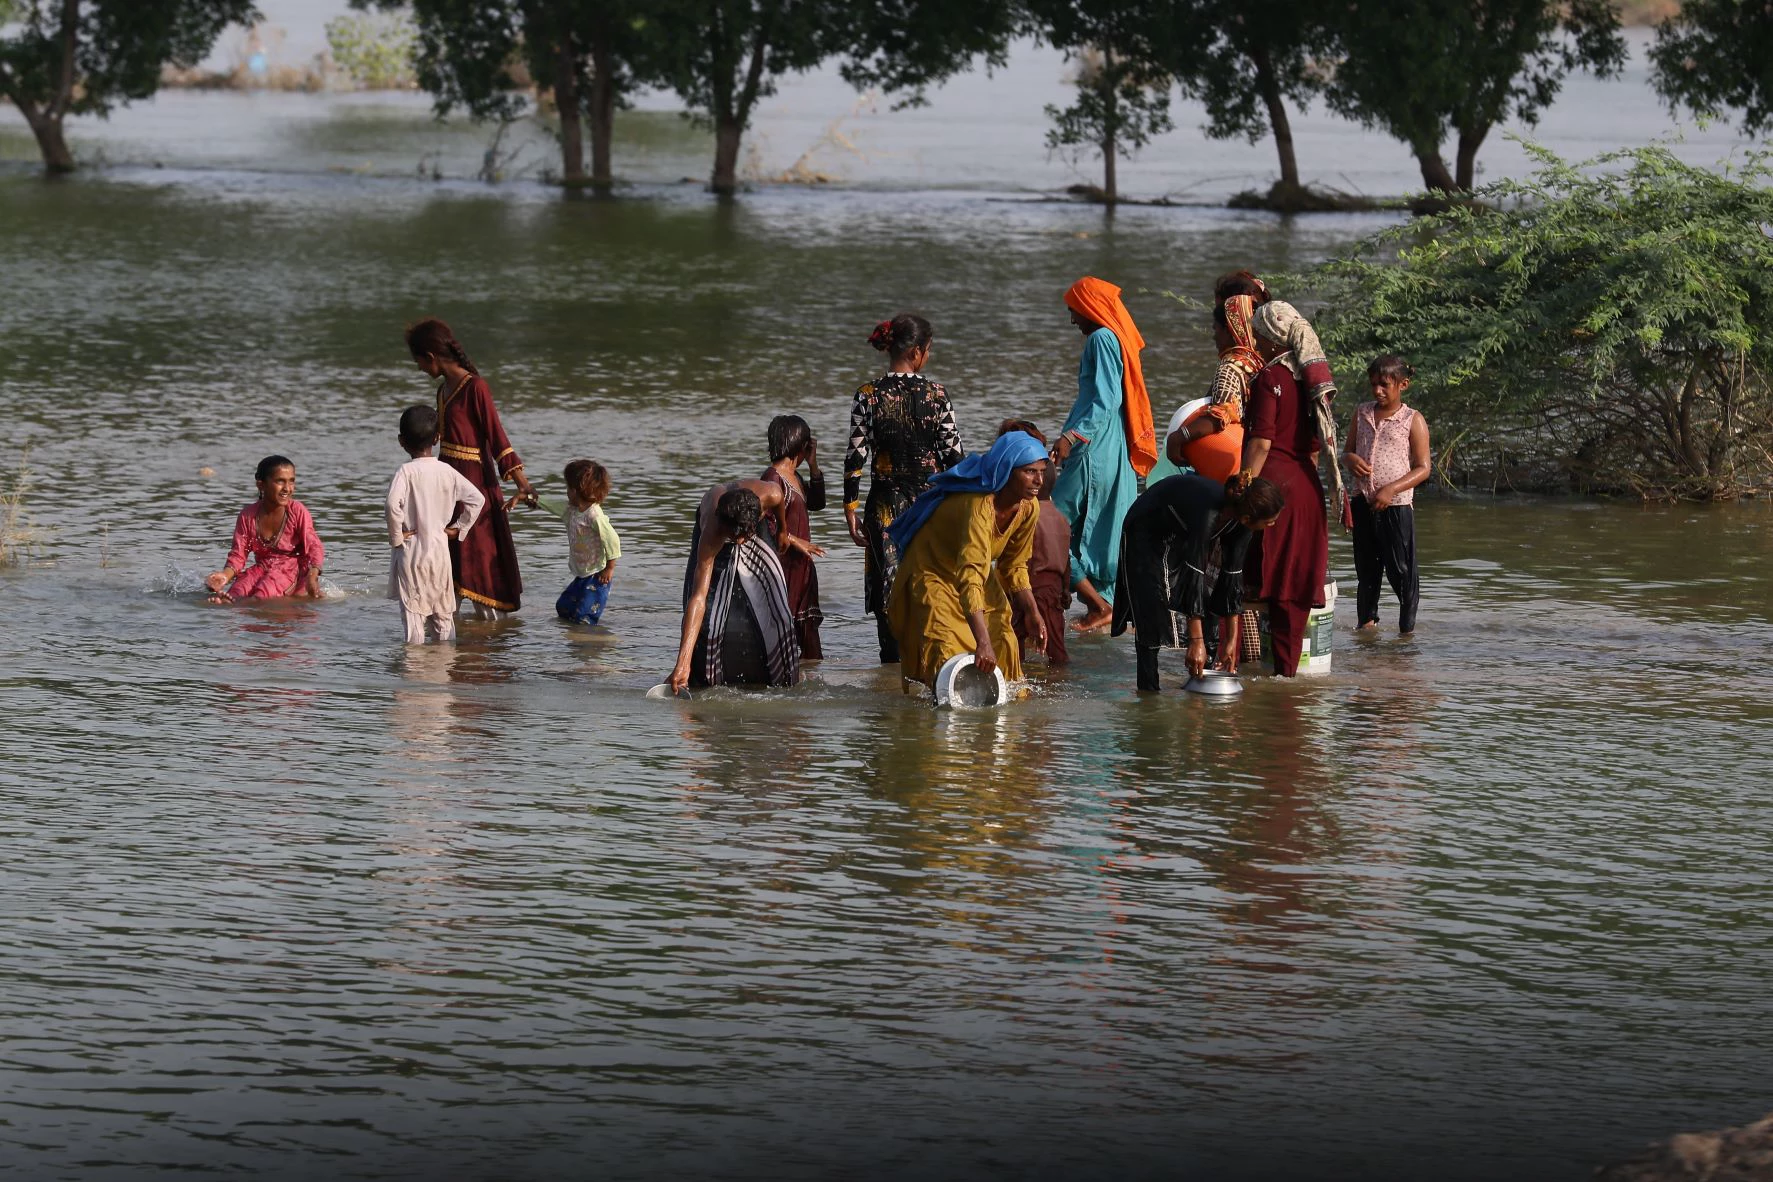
(277, 534)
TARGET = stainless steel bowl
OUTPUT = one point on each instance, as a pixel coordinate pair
(962, 685)
(1216, 683)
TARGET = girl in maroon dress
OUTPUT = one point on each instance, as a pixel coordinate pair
(1287, 563)
(791, 445)
(473, 442)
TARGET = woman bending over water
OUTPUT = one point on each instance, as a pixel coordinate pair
(737, 626)
(277, 533)
(484, 561)
(902, 420)
(947, 599)
(1182, 559)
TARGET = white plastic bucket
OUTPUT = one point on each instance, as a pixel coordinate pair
(1320, 626)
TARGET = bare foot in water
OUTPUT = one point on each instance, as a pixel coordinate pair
(1098, 612)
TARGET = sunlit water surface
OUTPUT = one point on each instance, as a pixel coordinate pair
(288, 900)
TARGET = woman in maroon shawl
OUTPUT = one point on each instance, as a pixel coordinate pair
(473, 442)
(791, 445)
(1287, 563)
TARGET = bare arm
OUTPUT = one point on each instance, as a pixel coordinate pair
(1031, 612)
(984, 656)
(1356, 464)
(696, 610)
(1255, 454)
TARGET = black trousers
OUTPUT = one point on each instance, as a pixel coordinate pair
(889, 644)
(1385, 545)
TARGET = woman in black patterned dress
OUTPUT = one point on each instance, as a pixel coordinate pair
(903, 421)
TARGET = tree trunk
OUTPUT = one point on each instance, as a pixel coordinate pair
(728, 133)
(1110, 125)
(731, 114)
(566, 102)
(1110, 191)
(57, 159)
(603, 112)
(1269, 88)
(1470, 140)
(1434, 170)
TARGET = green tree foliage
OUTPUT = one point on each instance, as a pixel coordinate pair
(1715, 56)
(905, 46)
(1424, 69)
(724, 56)
(1245, 64)
(86, 57)
(1123, 89)
(1610, 328)
(373, 52)
(477, 55)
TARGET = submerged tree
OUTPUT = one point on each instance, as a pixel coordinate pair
(1423, 69)
(1610, 327)
(1123, 89)
(87, 57)
(1715, 56)
(1246, 64)
(470, 54)
(722, 56)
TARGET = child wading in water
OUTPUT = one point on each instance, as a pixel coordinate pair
(422, 500)
(1387, 451)
(276, 531)
(592, 544)
(791, 445)
(1049, 566)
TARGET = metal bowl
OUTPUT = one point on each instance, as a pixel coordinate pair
(1215, 683)
(961, 686)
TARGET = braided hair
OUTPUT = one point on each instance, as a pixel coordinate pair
(433, 336)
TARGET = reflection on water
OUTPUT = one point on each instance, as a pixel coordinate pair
(290, 898)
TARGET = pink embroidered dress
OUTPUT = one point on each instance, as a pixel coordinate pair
(279, 565)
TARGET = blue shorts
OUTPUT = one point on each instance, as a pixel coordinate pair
(583, 600)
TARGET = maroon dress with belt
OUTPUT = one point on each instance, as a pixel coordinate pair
(472, 441)
(1287, 562)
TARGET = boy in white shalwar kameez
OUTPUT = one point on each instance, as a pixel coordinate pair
(422, 519)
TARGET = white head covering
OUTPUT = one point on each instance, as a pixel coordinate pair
(1282, 324)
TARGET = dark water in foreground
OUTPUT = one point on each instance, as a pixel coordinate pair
(287, 901)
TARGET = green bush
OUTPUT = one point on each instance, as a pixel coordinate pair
(1602, 327)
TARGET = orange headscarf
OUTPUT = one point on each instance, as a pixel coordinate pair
(1100, 302)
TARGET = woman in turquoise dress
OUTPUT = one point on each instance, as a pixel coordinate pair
(1098, 480)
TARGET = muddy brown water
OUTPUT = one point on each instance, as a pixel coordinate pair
(288, 900)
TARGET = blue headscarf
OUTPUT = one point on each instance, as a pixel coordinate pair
(984, 472)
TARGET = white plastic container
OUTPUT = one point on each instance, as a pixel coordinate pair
(1320, 626)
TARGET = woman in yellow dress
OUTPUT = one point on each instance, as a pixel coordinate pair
(946, 598)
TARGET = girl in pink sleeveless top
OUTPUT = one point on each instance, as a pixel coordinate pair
(1387, 451)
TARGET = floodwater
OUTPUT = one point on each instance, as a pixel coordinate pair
(288, 900)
